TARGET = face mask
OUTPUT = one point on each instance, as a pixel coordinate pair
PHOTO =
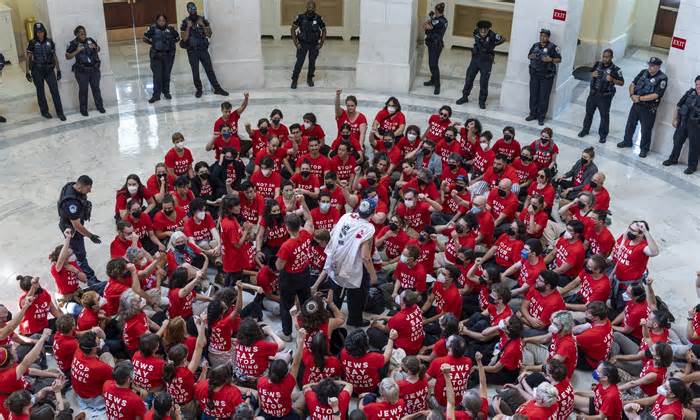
(136, 214)
(507, 137)
(581, 205)
(180, 247)
(345, 136)
(524, 254)
(305, 173)
(200, 215)
(498, 169)
(584, 162)
(568, 235)
(276, 121)
(484, 146)
(626, 297)
(593, 184)
(502, 193)
(544, 140)
(324, 207)
(459, 229)
(502, 325)
(449, 138)
(403, 259)
(426, 151)
(553, 329)
(264, 131)
(541, 289)
(475, 210)
(587, 270)
(388, 144)
(409, 203)
(453, 166)
(631, 236)
(510, 231)
(422, 237)
(330, 185)
(459, 188)
(373, 200)
(526, 159)
(132, 189)
(307, 125)
(204, 176)
(266, 172)
(596, 377)
(661, 390)
(180, 145)
(393, 227)
(226, 135)
(441, 278)
(168, 212)
(371, 181)
(411, 137)
(391, 109)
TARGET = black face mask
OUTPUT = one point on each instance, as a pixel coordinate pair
(631, 236)
(263, 131)
(393, 227)
(491, 300)
(180, 247)
(459, 229)
(305, 173)
(589, 320)
(526, 159)
(459, 188)
(510, 231)
(459, 261)
(541, 289)
(422, 237)
(427, 151)
(330, 186)
(371, 181)
(204, 176)
(449, 138)
(502, 193)
(580, 205)
(543, 140)
(276, 121)
(422, 183)
(345, 136)
(136, 214)
(584, 162)
(453, 166)
(498, 170)
(593, 184)
(388, 144)
(276, 217)
(587, 270)
(648, 354)
(168, 212)
(507, 137)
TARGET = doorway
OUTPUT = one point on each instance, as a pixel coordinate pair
(665, 23)
(122, 16)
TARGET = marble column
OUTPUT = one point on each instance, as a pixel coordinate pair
(386, 60)
(528, 18)
(235, 49)
(60, 18)
(682, 66)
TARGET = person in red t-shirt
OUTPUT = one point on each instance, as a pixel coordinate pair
(356, 120)
(148, 366)
(445, 297)
(305, 182)
(124, 239)
(65, 344)
(599, 240)
(602, 196)
(387, 406)
(160, 183)
(416, 209)
(562, 344)
(328, 399)
(485, 226)
(258, 138)
(343, 163)
(276, 153)
(89, 373)
(120, 400)
(252, 351)
(275, 389)
(631, 255)
(311, 127)
(216, 395)
(507, 145)
(605, 398)
(654, 371)
(460, 369)
(545, 151)
(594, 339)
(169, 219)
(507, 358)
(409, 274)
(506, 251)
(233, 237)
(408, 323)
(266, 182)
(672, 401)
(594, 285)
(413, 388)
(360, 366)
(542, 407)
(229, 118)
(178, 373)
(525, 169)
(65, 270)
(36, 317)
(437, 123)
(542, 187)
(540, 303)
(568, 254)
(133, 190)
(389, 119)
(178, 160)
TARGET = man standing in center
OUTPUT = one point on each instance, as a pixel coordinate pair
(483, 53)
(544, 57)
(604, 77)
(308, 34)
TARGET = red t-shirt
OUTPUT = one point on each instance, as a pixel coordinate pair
(275, 233)
(525, 172)
(148, 371)
(547, 192)
(460, 368)
(141, 226)
(534, 412)
(225, 400)
(486, 227)
(313, 131)
(447, 300)
(230, 233)
(436, 128)
(659, 408)
(36, 318)
(565, 346)
(630, 260)
(118, 247)
(200, 231)
(180, 306)
(507, 250)
(414, 394)
(344, 170)
(88, 374)
(251, 210)
(529, 272)
(407, 146)
(388, 122)
(602, 198)
(134, 328)
(696, 326)
(318, 411)
(512, 354)
(9, 384)
(122, 403)
(312, 373)
(153, 184)
(123, 196)
(253, 360)
(181, 388)
(592, 290)
(163, 223)
(319, 165)
(277, 158)
(595, 343)
(508, 205)
(295, 251)
(510, 149)
(541, 218)
(276, 399)
(600, 243)
(382, 410)
(326, 220)
(222, 331)
(634, 313)
(542, 307)
(66, 281)
(408, 322)
(565, 399)
(482, 160)
(354, 125)
(362, 372)
(416, 217)
(445, 149)
(607, 401)
(542, 155)
(64, 347)
(266, 185)
(411, 278)
(87, 319)
(306, 184)
(572, 253)
(179, 164)
(394, 245)
(647, 368)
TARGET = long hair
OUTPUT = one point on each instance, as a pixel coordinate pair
(177, 355)
(313, 314)
(249, 332)
(319, 349)
(219, 376)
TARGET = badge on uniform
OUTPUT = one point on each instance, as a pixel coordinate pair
(314, 22)
(663, 84)
(544, 50)
(72, 208)
(652, 80)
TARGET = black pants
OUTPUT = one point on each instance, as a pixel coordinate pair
(41, 74)
(77, 244)
(540, 89)
(602, 103)
(481, 65)
(357, 298)
(645, 115)
(292, 285)
(161, 66)
(201, 56)
(434, 51)
(89, 77)
(686, 130)
(303, 49)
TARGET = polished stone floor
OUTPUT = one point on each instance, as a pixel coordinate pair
(38, 156)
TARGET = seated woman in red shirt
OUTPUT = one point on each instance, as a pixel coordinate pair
(165, 408)
(36, 317)
(490, 325)
(361, 368)
(562, 345)
(272, 232)
(91, 315)
(136, 323)
(388, 406)
(133, 190)
(223, 321)
(275, 390)
(148, 366)
(413, 387)
(605, 397)
(318, 363)
(671, 402)
(254, 352)
(218, 398)
(67, 274)
(504, 366)
(542, 406)
(474, 403)
(319, 316)
(535, 217)
(445, 296)
(178, 373)
(327, 397)
(652, 375)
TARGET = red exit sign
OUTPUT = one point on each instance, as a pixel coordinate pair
(559, 14)
(678, 43)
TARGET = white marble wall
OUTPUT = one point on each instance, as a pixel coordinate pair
(681, 67)
(60, 18)
(528, 18)
(235, 45)
(387, 45)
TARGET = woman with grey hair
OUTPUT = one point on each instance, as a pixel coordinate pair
(388, 402)
(544, 405)
(134, 320)
(562, 347)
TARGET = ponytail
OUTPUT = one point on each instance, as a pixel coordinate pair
(177, 354)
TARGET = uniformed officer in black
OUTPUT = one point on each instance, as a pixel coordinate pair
(42, 66)
(646, 92)
(308, 34)
(162, 39)
(435, 28)
(2, 65)
(604, 77)
(86, 68)
(687, 125)
(73, 210)
(483, 53)
(544, 57)
(195, 32)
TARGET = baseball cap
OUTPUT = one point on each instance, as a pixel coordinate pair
(545, 31)
(655, 61)
(483, 24)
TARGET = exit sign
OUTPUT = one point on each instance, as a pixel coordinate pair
(559, 14)
(678, 43)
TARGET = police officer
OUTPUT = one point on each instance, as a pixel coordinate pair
(41, 63)
(435, 28)
(162, 39)
(544, 57)
(73, 210)
(686, 121)
(646, 92)
(605, 76)
(483, 53)
(86, 68)
(195, 32)
(2, 65)
(308, 34)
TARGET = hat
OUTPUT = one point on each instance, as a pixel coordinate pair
(545, 31)
(365, 209)
(483, 24)
(39, 27)
(655, 61)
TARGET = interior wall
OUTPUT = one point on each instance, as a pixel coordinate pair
(605, 24)
(643, 22)
(21, 9)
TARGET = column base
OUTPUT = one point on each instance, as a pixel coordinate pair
(239, 73)
(384, 76)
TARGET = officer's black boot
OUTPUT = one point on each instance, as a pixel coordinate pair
(310, 82)
(429, 83)
(2, 119)
(61, 116)
(583, 133)
(482, 105)
(294, 84)
(220, 91)
(46, 114)
(167, 96)
(436, 91)
(462, 100)
(154, 99)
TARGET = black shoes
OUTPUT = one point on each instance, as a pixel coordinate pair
(602, 139)
(84, 113)
(643, 154)
(61, 117)
(428, 83)
(462, 100)
(153, 100)
(669, 162)
(482, 105)
(540, 122)
(436, 91)
(167, 96)
(3, 119)
(198, 94)
(220, 91)
(310, 82)
(622, 144)
(689, 171)
(583, 133)
(530, 118)
(101, 110)
(294, 84)
(46, 115)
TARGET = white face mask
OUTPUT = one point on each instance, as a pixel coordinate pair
(403, 259)
(143, 262)
(502, 325)
(307, 125)
(132, 189)
(626, 297)
(661, 390)
(200, 215)
(391, 109)
(266, 172)
(324, 207)
(484, 146)
(568, 235)
(441, 278)
(72, 258)
(409, 203)
(180, 145)
(553, 329)
(411, 137)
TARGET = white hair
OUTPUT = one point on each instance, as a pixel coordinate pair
(389, 390)
(546, 394)
(174, 237)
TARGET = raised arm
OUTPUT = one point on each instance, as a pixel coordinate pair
(393, 335)
(199, 345)
(33, 354)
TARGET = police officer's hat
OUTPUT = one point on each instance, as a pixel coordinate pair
(546, 31)
(483, 24)
(656, 61)
(39, 27)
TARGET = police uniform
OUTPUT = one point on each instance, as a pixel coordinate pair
(198, 52)
(87, 72)
(2, 65)
(542, 76)
(311, 27)
(73, 205)
(42, 69)
(483, 55)
(688, 127)
(162, 55)
(644, 112)
(433, 39)
(600, 97)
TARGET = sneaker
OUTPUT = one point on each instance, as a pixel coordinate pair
(602, 139)
(310, 82)
(643, 154)
(622, 144)
(294, 84)
(284, 337)
(61, 117)
(582, 133)
(428, 83)
(689, 171)
(198, 94)
(462, 100)
(530, 118)
(220, 91)
(153, 100)
(168, 96)
(669, 162)
(46, 115)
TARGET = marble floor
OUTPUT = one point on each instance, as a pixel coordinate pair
(38, 156)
